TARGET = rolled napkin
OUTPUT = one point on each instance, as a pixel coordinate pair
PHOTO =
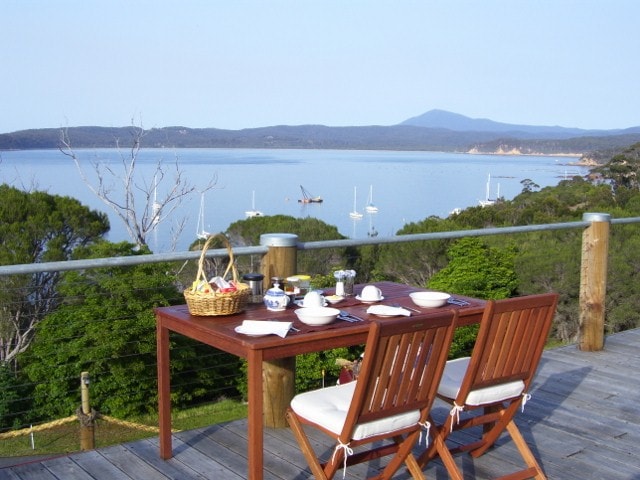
(264, 327)
(388, 310)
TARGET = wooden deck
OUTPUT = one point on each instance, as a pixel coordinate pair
(583, 422)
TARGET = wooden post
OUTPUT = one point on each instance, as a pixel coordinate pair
(87, 437)
(278, 376)
(593, 281)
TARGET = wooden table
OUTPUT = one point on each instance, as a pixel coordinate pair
(219, 332)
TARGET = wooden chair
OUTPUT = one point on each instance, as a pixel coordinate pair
(388, 404)
(496, 379)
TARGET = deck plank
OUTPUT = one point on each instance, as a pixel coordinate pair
(582, 423)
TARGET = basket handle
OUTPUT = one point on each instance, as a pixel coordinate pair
(230, 267)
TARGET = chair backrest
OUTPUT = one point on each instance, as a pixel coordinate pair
(510, 342)
(401, 369)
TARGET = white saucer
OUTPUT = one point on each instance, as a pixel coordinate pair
(300, 303)
(238, 329)
(358, 297)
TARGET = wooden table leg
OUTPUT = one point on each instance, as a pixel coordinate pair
(164, 390)
(255, 428)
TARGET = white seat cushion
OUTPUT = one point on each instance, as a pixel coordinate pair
(452, 377)
(328, 408)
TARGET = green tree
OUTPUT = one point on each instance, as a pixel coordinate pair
(248, 231)
(37, 227)
(475, 270)
(414, 263)
(623, 170)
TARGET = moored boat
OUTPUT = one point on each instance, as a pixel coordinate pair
(308, 198)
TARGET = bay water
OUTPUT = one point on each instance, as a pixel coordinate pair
(405, 186)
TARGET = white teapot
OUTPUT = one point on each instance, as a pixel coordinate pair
(275, 299)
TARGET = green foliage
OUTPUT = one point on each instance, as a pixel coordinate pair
(623, 170)
(13, 399)
(37, 227)
(318, 368)
(248, 231)
(414, 263)
(313, 370)
(106, 326)
(477, 270)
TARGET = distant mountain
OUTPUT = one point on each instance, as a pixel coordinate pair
(436, 130)
(460, 123)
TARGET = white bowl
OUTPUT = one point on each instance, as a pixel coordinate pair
(317, 315)
(429, 299)
(334, 298)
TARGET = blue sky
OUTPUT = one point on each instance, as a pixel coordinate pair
(250, 63)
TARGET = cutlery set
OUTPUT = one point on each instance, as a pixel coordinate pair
(455, 301)
(348, 317)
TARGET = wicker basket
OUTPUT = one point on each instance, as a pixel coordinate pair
(217, 303)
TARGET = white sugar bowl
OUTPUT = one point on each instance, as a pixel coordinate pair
(275, 299)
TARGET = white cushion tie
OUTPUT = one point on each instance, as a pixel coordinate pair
(525, 398)
(455, 412)
(425, 426)
(347, 451)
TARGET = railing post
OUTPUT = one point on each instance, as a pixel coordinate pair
(593, 281)
(278, 376)
(87, 434)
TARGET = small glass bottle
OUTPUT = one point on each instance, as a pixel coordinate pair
(339, 275)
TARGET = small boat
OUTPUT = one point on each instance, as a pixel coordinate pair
(201, 233)
(371, 208)
(355, 213)
(308, 198)
(253, 212)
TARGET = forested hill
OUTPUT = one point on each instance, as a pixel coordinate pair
(444, 132)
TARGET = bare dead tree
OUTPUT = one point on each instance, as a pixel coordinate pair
(137, 205)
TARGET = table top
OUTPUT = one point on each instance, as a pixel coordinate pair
(218, 331)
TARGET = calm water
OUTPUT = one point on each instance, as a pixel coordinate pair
(407, 186)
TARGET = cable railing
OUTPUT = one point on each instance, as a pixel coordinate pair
(203, 376)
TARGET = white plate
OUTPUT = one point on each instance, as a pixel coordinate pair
(238, 329)
(358, 297)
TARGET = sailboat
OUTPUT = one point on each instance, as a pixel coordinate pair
(487, 201)
(355, 213)
(371, 208)
(253, 212)
(201, 233)
(155, 207)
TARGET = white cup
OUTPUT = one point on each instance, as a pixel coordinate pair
(371, 293)
(313, 299)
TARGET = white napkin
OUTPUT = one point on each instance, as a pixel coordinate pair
(388, 310)
(264, 327)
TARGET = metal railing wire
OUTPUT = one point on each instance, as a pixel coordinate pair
(131, 261)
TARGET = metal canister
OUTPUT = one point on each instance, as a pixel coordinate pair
(255, 283)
